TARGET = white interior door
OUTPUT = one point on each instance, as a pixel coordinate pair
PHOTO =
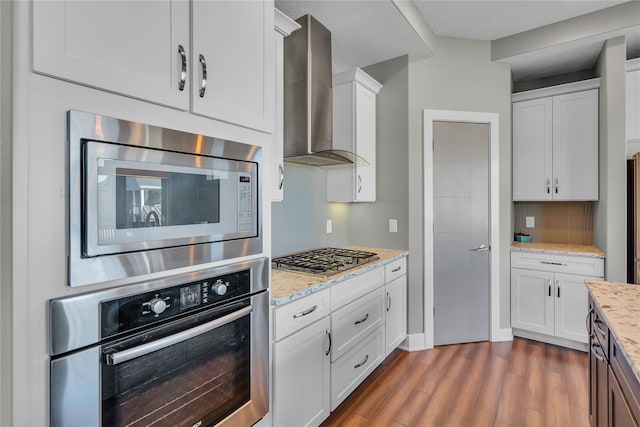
(461, 232)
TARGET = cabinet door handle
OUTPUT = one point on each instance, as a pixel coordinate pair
(304, 313)
(548, 186)
(281, 170)
(558, 286)
(359, 184)
(364, 319)
(330, 343)
(556, 186)
(183, 68)
(365, 360)
(203, 82)
(549, 284)
(388, 301)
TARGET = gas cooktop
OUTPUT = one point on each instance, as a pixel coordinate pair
(323, 262)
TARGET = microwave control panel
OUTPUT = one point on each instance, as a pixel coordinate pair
(245, 202)
(128, 313)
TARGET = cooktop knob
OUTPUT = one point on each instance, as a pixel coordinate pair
(157, 305)
(219, 288)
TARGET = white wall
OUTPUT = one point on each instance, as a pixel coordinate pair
(610, 213)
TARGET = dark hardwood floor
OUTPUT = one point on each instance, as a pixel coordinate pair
(518, 383)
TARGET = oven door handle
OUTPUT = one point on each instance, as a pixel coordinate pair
(141, 350)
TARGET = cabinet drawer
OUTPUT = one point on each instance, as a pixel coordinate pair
(586, 266)
(345, 292)
(294, 316)
(395, 269)
(352, 322)
(348, 372)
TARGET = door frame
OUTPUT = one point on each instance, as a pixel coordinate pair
(492, 119)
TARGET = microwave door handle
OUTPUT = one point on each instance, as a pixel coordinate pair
(141, 350)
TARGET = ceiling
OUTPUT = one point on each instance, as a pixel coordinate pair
(365, 32)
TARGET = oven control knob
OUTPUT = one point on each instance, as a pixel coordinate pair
(157, 305)
(219, 288)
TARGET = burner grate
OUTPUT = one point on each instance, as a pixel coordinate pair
(324, 261)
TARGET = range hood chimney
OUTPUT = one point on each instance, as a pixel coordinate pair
(308, 98)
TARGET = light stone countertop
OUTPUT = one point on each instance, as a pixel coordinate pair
(287, 286)
(558, 249)
(620, 305)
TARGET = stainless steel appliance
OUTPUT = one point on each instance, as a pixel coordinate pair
(144, 199)
(308, 98)
(323, 262)
(189, 350)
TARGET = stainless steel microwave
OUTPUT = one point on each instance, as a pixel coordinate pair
(144, 199)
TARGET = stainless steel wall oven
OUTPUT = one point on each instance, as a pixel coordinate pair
(189, 350)
(144, 199)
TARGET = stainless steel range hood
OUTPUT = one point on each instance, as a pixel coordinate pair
(308, 98)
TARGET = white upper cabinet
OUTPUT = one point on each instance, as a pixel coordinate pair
(633, 100)
(283, 26)
(555, 144)
(354, 129)
(149, 50)
(132, 48)
(233, 41)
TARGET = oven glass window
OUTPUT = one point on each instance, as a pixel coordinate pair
(200, 380)
(161, 199)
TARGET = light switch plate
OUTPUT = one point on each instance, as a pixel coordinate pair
(329, 226)
(530, 221)
(393, 226)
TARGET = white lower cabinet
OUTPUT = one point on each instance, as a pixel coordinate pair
(301, 377)
(301, 361)
(327, 343)
(549, 296)
(350, 370)
(396, 314)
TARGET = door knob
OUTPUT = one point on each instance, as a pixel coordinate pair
(481, 248)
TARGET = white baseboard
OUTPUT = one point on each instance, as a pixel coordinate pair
(417, 342)
(505, 334)
(552, 340)
(414, 342)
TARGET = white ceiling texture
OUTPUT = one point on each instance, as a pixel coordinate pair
(365, 32)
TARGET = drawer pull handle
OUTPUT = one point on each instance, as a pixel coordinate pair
(395, 270)
(365, 360)
(595, 352)
(587, 323)
(364, 319)
(597, 324)
(563, 264)
(304, 313)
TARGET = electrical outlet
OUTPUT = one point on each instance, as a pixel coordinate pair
(530, 221)
(393, 226)
(329, 226)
